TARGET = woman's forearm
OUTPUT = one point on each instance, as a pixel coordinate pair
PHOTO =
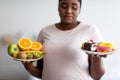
(35, 72)
(96, 67)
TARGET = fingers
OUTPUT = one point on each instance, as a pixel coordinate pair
(27, 62)
(23, 62)
(99, 56)
(96, 56)
(104, 56)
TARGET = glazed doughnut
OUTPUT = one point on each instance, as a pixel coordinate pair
(104, 47)
(98, 47)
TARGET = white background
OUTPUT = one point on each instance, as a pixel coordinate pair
(29, 16)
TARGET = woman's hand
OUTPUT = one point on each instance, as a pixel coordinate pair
(96, 66)
(101, 56)
(97, 55)
(34, 70)
(28, 65)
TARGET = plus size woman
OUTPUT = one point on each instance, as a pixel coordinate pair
(61, 42)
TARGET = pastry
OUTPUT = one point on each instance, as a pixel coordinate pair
(89, 45)
(105, 47)
(98, 47)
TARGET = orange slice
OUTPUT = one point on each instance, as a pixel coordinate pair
(25, 44)
(36, 46)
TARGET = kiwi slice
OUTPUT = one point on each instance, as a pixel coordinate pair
(29, 55)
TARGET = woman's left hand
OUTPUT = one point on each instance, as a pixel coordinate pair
(97, 55)
(101, 55)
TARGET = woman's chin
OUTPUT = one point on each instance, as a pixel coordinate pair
(68, 22)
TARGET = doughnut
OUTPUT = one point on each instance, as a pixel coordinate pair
(98, 47)
(105, 47)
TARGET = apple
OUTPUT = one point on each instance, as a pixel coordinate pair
(13, 48)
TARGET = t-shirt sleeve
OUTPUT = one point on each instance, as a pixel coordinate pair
(40, 37)
(96, 35)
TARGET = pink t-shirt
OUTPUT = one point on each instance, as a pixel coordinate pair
(64, 60)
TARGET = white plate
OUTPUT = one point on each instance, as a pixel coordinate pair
(98, 53)
(28, 59)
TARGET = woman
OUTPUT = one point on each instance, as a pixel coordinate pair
(61, 42)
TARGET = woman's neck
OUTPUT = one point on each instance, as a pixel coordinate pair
(65, 26)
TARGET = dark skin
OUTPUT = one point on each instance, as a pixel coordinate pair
(68, 12)
(34, 70)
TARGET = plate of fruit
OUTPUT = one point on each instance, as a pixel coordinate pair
(98, 48)
(25, 50)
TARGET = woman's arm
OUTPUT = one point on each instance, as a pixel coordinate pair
(96, 68)
(34, 70)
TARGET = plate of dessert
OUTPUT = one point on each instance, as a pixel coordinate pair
(101, 48)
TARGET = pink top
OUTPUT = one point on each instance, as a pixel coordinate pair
(64, 60)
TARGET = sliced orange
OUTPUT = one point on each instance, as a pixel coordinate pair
(25, 44)
(36, 46)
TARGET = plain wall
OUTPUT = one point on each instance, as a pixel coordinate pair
(29, 16)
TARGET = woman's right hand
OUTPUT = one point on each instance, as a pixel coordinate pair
(34, 70)
(28, 65)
